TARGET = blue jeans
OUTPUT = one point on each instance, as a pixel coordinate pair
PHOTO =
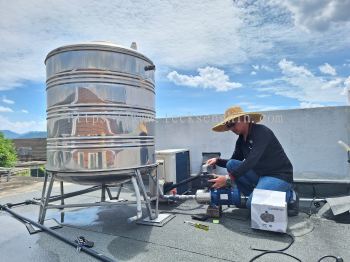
(251, 180)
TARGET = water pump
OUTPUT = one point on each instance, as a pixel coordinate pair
(216, 198)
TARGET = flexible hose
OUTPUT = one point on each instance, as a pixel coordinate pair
(51, 232)
(274, 252)
(278, 250)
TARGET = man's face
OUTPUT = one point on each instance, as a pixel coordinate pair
(239, 128)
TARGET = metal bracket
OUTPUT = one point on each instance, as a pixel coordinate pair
(139, 188)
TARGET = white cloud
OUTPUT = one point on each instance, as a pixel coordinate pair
(253, 73)
(24, 111)
(208, 77)
(318, 15)
(309, 105)
(346, 90)
(290, 69)
(172, 33)
(176, 34)
(300, 83)
(328, 69)
(263, 95)
(250, 106)
(7, 101)
(266, 68)
(21, 126)
(5, 109)
(262, 67)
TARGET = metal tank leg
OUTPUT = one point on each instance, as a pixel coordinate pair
(144, 194)
(138, 201)
(103, 193)
(119, 191)
(157, 190)
(42, 195)
(154, 219)
(45, 199)
(62, 193)
(62, 201)
(111, 197)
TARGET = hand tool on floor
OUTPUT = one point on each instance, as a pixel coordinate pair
(197, 225)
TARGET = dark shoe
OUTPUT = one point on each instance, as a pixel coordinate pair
(293, 205)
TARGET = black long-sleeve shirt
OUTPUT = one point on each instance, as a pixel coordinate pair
(261, 152)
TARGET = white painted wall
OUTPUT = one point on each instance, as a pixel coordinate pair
(309, 137)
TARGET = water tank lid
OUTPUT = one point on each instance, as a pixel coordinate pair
(98, 45)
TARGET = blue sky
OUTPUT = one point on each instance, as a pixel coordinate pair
(262, 55)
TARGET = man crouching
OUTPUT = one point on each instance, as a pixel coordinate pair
(258, 160)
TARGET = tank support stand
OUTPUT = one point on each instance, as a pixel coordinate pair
(154, 218)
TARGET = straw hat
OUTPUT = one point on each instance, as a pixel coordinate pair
(233, 114)
(143, 128)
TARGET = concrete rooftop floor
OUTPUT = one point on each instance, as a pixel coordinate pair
(230, 240)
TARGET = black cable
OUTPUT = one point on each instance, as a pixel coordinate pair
(274, 252)
(169, 187)
(51, 232)
(278, 250)
(337, 259)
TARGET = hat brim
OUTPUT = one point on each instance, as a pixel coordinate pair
(253, 117)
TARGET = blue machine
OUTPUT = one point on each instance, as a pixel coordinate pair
(225, 196)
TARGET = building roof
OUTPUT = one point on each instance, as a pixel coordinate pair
(230, 240)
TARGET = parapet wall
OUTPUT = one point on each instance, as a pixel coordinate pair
(309, 136)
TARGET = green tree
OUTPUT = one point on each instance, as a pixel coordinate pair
(8, 156)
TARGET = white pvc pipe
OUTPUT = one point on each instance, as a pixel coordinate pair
(346, 147)
(138, 201)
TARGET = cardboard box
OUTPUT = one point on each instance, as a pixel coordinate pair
(269, 210)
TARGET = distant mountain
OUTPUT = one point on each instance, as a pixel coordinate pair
(9, 134)
(33, 134)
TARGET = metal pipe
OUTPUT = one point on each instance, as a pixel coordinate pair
(178, 197)
(73, 194)
(122, 202)
(138, 201)
(27, 202)
(309, 199)
(51, 232)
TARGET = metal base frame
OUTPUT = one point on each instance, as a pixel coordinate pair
(138, 185)
(158, 222)
(51, 223)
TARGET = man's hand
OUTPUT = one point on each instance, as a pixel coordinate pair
(220, 181)
(211, 161)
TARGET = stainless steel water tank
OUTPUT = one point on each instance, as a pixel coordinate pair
(100, 112)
